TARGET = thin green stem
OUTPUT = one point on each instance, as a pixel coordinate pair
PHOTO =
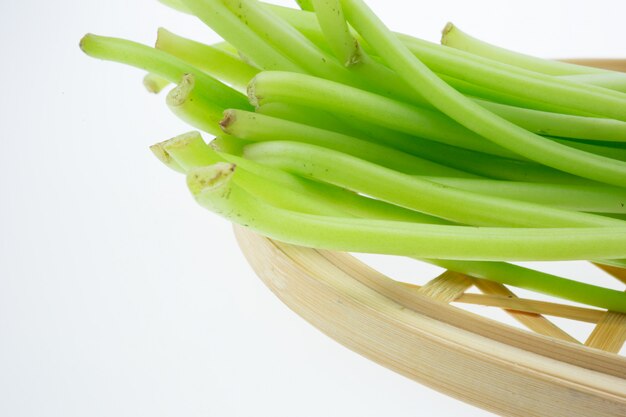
(332, 22)
(614, 81)
(562, 125)
(453, 37)
(588, 198)
(220, 64)
(162, 64)
(542, 282)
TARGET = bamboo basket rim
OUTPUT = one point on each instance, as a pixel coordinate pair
(315, 283)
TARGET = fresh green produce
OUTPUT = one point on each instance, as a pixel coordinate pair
(355, 138)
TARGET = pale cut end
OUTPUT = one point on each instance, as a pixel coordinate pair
(229, 117)
(252, 96)
(209, 179)
(355, 56)
(179, 95)
(160, 150)
(163, 156)
(449, 27)
(84, 42)
(154, 84)
(159, 39)
(183, 140)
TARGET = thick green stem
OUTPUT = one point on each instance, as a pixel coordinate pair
(213, 189)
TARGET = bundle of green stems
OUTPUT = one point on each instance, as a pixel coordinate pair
(330, 131)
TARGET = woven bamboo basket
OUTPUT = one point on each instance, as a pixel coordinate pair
(413, 330)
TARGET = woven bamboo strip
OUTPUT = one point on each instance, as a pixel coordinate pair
(532, 321)
(610, 332)
(447, 287)
(583, 314)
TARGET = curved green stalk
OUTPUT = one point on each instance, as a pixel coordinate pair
(453, 37)
(414, 193)
(271, 86)
(216, 15)
(257, 127)
(163, 65)
(218, 63)
(472, 115)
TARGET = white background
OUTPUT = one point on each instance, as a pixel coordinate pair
(119, 296)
